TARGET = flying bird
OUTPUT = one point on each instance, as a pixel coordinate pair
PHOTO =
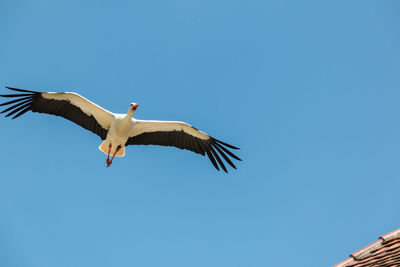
(119, 130)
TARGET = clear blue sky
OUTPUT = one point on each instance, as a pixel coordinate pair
(310, 90)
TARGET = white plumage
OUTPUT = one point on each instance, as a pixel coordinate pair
(119, 130)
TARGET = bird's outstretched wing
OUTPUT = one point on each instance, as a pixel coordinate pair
(183, 136)
(67, 105)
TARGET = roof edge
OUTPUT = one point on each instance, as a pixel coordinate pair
(366, 251)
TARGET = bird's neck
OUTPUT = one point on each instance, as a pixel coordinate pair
(128, 116)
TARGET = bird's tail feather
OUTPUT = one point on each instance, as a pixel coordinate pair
(104, 147)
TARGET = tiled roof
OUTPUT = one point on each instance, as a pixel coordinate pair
(385, 252)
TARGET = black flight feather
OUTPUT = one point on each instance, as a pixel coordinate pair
(180, 139)
(35, 102)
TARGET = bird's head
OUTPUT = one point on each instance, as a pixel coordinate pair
(133, 107)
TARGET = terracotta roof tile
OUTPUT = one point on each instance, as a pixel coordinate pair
(385, 252)
(390, 235)
(365, 252)
(343, 263)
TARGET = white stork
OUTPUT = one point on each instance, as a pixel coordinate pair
(119, 130)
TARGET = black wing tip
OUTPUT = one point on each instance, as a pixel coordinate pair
(217, 157)
(222, 149)
(222, 146)
(20, 90)
(22, 101)
(223, 143)
(237, 158)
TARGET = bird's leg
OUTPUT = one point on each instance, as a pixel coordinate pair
(108, 156)
(116, 151)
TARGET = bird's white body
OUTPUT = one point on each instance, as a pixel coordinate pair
(118, 134)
